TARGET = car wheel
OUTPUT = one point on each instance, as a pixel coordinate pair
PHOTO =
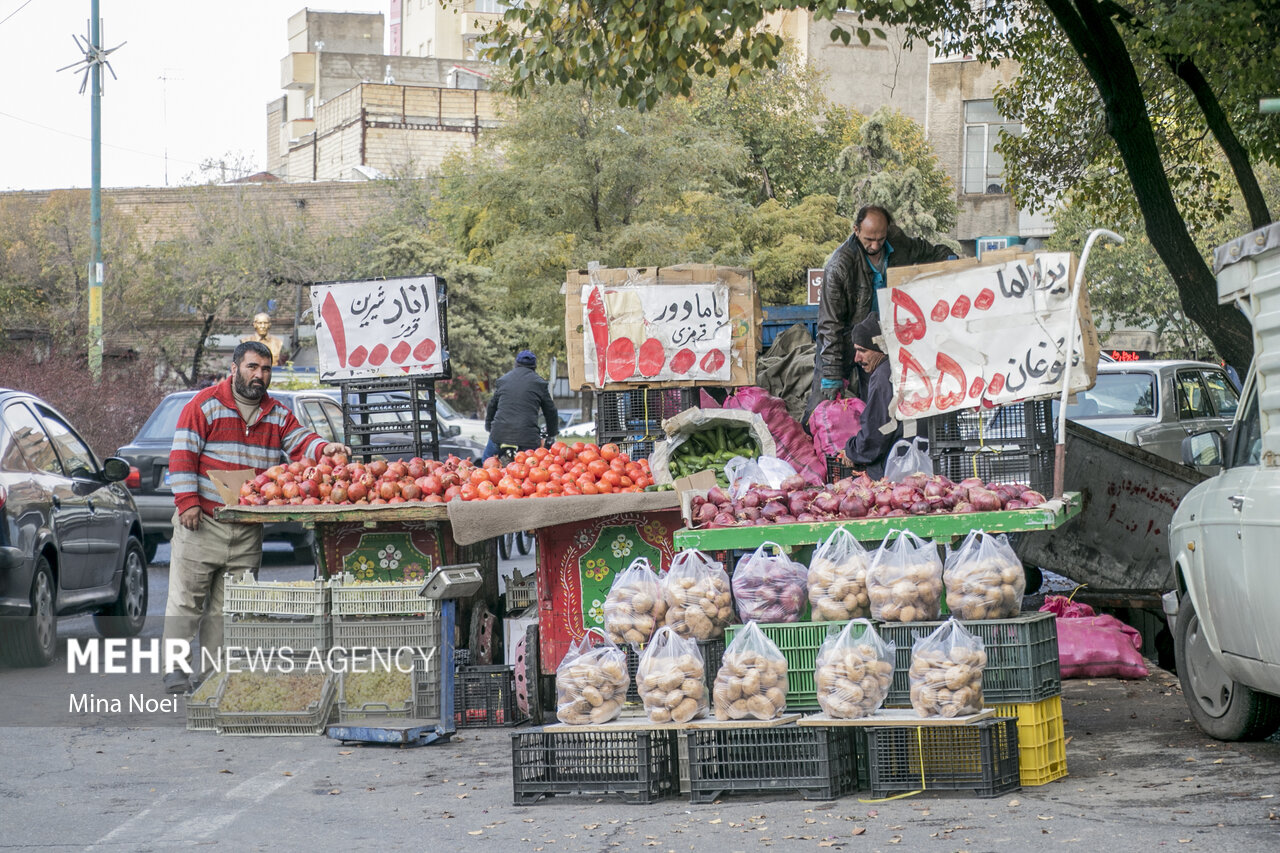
(151, 544)
(524, 542)
(33, 641)
(1221, 706)
(504, 546)
(128, 613)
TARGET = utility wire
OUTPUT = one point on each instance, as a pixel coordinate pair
(16, 11)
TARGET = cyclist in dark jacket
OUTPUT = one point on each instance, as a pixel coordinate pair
(854, 272)
(512, 416)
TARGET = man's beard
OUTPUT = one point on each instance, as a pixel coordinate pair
(252, 390)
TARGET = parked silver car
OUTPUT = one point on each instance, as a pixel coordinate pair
(1156, 404)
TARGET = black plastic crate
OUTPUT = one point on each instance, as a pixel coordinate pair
(1027, 425)
(391, 417)
(485, 696)
(712, 653)
(981, 757)
(818, 762)
(641, 766)
(837, 470)
(639, 414)
(635, 450)
(1032, 468)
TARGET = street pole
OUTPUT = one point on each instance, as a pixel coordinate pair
(95, 197)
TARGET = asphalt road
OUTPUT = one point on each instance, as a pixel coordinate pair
(1142, 778)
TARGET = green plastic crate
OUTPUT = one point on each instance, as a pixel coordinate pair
(799, 643)
(1022, 657)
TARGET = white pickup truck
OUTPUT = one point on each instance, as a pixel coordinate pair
(1225, 537)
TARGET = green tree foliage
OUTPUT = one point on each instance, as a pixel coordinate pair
(791, 132)
(785, 243)
(892, 165)
(573, 178)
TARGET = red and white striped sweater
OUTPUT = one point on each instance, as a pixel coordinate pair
(211, 436)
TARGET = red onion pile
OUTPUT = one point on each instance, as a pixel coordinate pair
(918, 494)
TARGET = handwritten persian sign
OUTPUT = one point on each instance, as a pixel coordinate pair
(984, 335)
(656, 333)
(391, 327)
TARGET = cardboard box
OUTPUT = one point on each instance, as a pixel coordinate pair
(228, 483)
(744, 312)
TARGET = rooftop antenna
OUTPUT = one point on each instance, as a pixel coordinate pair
(95, 58)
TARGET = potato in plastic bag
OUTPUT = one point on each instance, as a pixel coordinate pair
(984, 578)
(635, 606)
(904, 581)
(670, 678)
(752, 681)
(591, 681)
(770, 587)
(946, 672)
(854, 671)
(696, 589)
(838, 579)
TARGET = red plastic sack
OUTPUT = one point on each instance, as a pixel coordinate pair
(834, 422)
(1095, 646)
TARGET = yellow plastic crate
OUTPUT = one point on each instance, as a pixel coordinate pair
(1042, 743)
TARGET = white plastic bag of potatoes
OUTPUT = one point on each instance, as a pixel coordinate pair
(670, 679)
(770, 587)
(696, 590)
(591, 681)
(854, 672)
(838, 579)
(635, 606)
(752, 681)
(904, 581)
(984, 578)
(946, 672)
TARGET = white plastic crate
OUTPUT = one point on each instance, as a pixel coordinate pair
(299, 636)
(244, 595)
(394, 600)
(309, 721)
(385, 633)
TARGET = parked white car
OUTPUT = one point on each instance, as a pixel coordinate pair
(1224, 539)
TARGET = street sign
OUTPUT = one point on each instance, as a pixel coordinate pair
(815, 286)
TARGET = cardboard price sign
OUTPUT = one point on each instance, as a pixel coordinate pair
(986, 335)
(387, 327)
(656, 333)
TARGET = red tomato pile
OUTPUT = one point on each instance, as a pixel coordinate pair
(578, 469)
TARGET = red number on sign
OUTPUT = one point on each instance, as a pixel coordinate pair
(913, 329)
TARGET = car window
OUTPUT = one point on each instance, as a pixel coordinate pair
(446, 411)
(314, 419)
(1222, 394)
(1193, 400)
(31, 439)
(163, 422)
(77, 458)
(1123, 395)
(11, 456)
(1247, 448)
(333, 412)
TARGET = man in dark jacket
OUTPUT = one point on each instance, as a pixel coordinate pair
(854, 272)
(869, 447)
(512, 416)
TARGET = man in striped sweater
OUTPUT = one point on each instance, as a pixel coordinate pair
(229, 427)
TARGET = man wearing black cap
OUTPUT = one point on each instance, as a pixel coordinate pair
(512, 416)
(869, 448)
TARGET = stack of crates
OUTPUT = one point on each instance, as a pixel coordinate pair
(383, 616)
(1008, 444)
(633, 419)
(1021, 681)
(279, 617)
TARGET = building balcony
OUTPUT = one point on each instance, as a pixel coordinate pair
(298, 71)
(293, 130)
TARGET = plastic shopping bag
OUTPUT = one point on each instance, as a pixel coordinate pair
(984, 578)
(904, 581)
(752, 681)
(696, 590)
(670, 679)
(635, 606)
(946, 672)
(770, 587)
(838, 579)
(591, 681)
(907, 458)
(854, 672)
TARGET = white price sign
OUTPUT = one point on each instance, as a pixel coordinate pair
(388, 327)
